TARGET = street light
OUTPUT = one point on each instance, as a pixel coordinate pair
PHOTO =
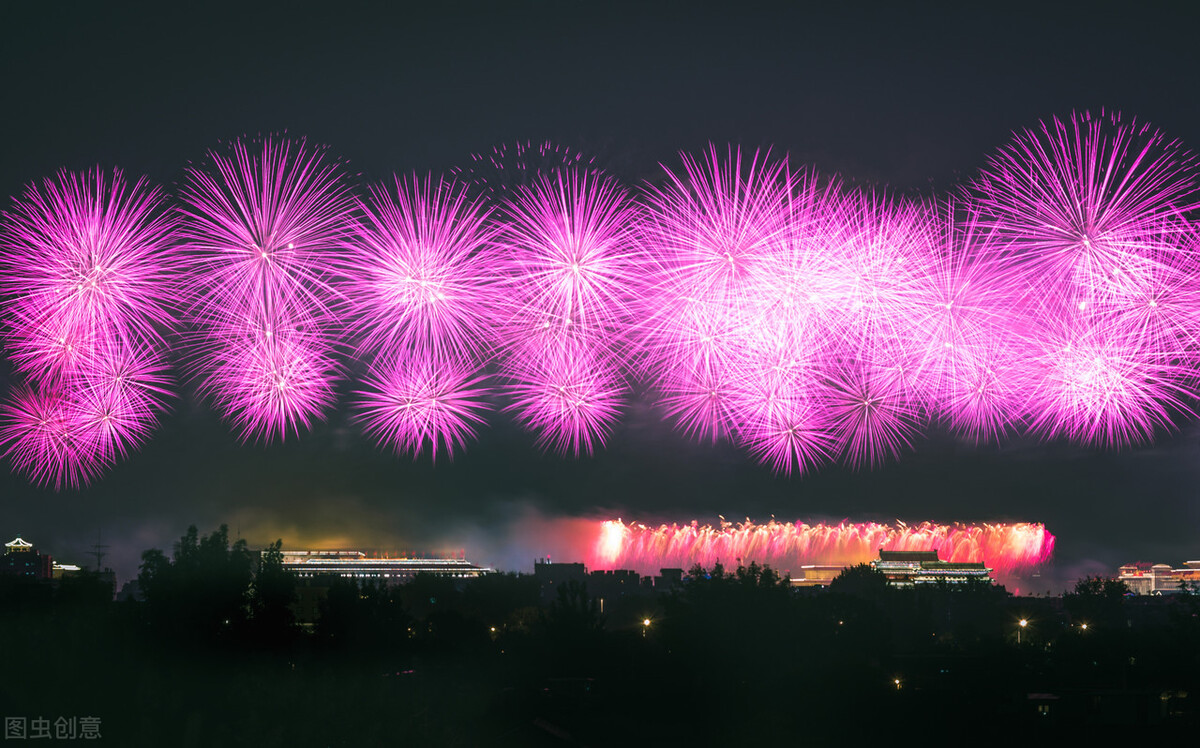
(1022, 623)
(645, 626)
(897, 682)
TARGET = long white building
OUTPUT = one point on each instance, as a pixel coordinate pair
(360, 565)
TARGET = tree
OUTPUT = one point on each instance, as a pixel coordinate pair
(860, 581)
(204, 589)
(366, 617)
(272, 595)
(1097, 600)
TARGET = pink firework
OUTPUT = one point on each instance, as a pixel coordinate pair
(573, 271)
(1008, 549)
(711, 233)
(88, 279)
(1092, 212)
(117, 398)
(263, 225)
(785, 427)
(571, 276)
(1095, 387)
(972, 361)
(422, 271)
(414, 401)
(567, 397)
(872, 416)
(85, 258)
(270, 382)
(72, 430)
(45, 442)
(1085, 200)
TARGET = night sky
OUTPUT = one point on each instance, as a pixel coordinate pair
(913, 100)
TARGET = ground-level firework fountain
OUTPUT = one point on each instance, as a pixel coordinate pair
(1010, 550)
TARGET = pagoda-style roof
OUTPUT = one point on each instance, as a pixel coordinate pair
(909, 557)
(17, 544)
(953, 565)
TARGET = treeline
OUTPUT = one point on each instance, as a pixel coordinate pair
(214, 656)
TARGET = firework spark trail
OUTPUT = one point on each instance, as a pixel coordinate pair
(711, 232)
(263, 225)
(792, 315)
(422, 271)
(88, 278)
(422, 277)
(1092, 211)
(417, 400)
(572, 275)
(510, 166)
(1006, 548)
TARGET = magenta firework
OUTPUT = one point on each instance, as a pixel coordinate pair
(262, 224)
(755, 302)
(88, 278)
(571, 275)
(1091, 214)
(422, 274)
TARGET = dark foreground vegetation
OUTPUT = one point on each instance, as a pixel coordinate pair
(213, 656)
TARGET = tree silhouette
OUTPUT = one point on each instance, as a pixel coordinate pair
(272, 595)
(861, 581)
(1097, 600)
(204, 589)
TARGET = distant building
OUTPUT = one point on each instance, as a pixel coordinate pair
(550, 576)
(315, 571)
(816, 575)
(21, 559)
(1156, 579)
(360, 565)
(58, 571)
(910, 568)
(668, 579)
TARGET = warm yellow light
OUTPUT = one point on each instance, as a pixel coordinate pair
(645, 621)
(1023, 623)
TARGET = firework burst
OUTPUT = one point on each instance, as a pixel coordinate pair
(263, 225)
(423, 270)
(571, 277)
(567, 397)
(792, 315)
(414, 401)
(1092, 213)
(88, 277)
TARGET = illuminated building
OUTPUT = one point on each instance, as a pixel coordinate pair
(1146, 579)
(21, 559)
(910, 568)
(58, 571)
(317, 570)
(816, 575)
(360, 565)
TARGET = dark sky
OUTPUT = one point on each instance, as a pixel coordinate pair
(911, 98)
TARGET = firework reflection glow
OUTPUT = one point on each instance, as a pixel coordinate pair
(1008, 549)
